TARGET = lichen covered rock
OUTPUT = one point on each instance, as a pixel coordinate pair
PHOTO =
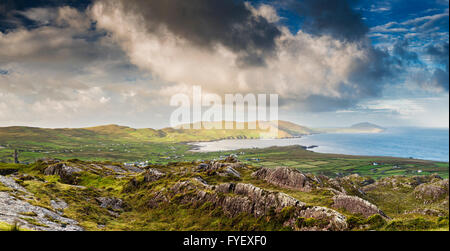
(285, 177)
(68, 174)
(356, 205)
(433, 192)
(152, 175)
(110, 203)
(235, 199)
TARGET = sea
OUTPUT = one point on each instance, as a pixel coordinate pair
(417, 143)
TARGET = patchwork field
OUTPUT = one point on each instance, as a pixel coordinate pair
(333, 164)
(123, 144)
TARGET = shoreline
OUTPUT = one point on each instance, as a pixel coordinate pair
(196, 148)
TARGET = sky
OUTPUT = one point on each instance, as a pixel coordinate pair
(67, 63)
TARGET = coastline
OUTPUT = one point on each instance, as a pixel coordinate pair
(196, 147)
(390, 144)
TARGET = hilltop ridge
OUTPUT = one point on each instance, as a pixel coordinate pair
(125, 143)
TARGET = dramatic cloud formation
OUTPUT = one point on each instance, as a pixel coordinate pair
(76, 63)
(335, 18)
(301, 67)
(205, 23)
(439, 55)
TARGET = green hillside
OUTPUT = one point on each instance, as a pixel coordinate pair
(121, 143)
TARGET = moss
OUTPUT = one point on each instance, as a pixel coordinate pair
(4, 188)
(49, 218)
(415, 224)
(11, 227)
(96, 181)
(376, 221)
(286, 214)
(33, 221)
(136, 193)
(443, 221)
(207, 206)
(31, 214)
(302, 222)
(354, 222)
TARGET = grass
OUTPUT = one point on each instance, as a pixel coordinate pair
(11, 227)
(292, 156)
(124, 144)
(113, 142)
(331, 165)
(166, 151)
(137, 215)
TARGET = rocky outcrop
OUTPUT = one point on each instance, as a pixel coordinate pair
(153, 175)
(235, 199)
(221, 168)
(231, 159)
(427, 211)
(350, 185)
(231, 171)
(433, 192)
(285, 177)
(68, 174)
(58, 204)
(253, 200)
(15, 208)
(356, 205)
(11, 183)
(48, 161)
(399, 182)
(158, 198)
(110, 203)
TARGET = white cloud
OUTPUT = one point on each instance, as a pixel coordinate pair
(427, 112)
(65, 74)
(265, 11)
(304, 65)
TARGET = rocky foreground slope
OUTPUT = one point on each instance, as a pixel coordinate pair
(214, 195)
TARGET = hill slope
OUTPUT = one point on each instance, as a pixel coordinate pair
(119, 142)
(213, 195)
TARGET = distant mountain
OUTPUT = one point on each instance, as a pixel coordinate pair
(294, 129)
(285, 130)
(364, 127)
(121, 142)
(367, 125)
(20, 135)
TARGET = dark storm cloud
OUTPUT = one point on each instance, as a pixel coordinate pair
(206, 23)
(341, 21)
(10, 17)
(9, 6)
(403, 54)
(440, 56)
(439, 53)
(331, 17)
(367, 79)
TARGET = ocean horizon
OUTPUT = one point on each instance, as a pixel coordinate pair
(404, 142)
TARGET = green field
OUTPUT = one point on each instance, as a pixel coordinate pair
(332, 165)
(80, 194)
(124, 144)
(117, 143)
